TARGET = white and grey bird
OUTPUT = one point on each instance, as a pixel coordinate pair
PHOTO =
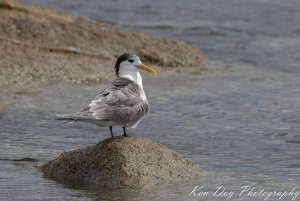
(124, 103)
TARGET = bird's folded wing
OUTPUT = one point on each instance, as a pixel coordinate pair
(120, 103)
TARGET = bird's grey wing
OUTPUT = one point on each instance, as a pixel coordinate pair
(121, 103)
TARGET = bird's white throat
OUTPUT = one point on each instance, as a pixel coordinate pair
(134, 76)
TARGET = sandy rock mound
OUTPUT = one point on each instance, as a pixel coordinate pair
(123, 162)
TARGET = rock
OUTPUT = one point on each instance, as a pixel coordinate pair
(39, 46)
(123, 162)
(8, 3)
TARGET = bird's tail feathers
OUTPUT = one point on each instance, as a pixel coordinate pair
(65, 117)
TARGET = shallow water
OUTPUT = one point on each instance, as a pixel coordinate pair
(240, 131)
(241, 126)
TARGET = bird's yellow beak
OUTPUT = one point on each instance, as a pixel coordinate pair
(146, 68)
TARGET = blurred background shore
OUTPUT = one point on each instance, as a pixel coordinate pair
(40, 46)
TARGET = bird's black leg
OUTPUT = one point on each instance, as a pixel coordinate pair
(111, 132)
(125, 134)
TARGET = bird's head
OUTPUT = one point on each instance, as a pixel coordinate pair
(129, 63)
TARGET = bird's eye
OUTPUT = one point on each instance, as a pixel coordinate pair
(131, 60)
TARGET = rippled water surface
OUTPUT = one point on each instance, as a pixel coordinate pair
(241, 126)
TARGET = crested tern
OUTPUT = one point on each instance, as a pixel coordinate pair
(124, 103)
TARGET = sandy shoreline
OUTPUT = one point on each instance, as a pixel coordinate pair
(39, 46)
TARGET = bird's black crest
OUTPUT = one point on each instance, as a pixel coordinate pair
(123, 57)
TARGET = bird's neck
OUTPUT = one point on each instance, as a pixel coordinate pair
(133, 76)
